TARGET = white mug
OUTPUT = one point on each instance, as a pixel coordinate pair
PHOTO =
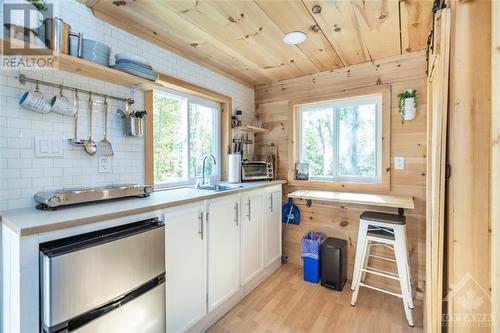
(62, 105)
(34, 101)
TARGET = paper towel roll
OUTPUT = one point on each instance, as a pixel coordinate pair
(234, 174)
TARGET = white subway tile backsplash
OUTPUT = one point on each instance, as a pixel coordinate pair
(17, 123)
(14, 163)
(22, 175)
(31, 172)
(18, 203)
(10, 194)
(19, 183)
(9, 174)
(43, 181)
(62, 181)
(43, 163)
(52, 172)
(72, 171)
(26, 153)
(62, 163)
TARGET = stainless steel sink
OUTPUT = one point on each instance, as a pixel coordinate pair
(218, 187)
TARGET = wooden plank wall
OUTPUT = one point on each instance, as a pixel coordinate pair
(408, 139)
(495, 165)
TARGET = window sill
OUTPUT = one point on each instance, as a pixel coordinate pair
(343, 186)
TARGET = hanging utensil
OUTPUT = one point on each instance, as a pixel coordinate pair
(246, 144)
(90, 145)
(104, 147)
(75, 141)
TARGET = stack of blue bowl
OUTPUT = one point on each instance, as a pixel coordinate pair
(92, 51)
(134, 65)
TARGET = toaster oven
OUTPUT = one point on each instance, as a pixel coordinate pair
(256, 170)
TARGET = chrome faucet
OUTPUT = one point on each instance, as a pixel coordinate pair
(203, 167)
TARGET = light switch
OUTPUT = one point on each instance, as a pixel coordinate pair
(49, 146)
(44, 146)
(399, 162)
(104, 164)
(56, 147)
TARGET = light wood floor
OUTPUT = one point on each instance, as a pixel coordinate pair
(286, 303)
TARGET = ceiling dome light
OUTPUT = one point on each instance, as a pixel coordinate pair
(294, 37)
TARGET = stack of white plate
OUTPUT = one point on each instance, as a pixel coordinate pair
(134, 65)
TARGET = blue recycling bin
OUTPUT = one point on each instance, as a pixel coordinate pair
(311, 245)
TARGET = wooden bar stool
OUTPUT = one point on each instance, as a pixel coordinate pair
(389, 230)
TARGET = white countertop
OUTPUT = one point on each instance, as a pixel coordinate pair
(27, 221)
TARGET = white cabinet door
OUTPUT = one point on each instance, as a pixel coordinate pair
(251, 236)
(223, 249)
(185, 267)
(272, 226)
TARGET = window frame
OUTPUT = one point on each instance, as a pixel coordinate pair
(180, 86)
(334, 105)
(188, 100)
(343, 184)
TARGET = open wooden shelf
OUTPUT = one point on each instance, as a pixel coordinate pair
(87, 68)
(250, 129)
(92, 70)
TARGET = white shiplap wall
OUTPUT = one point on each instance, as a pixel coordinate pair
(22, 175)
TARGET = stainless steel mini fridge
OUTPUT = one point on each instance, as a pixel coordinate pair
(112, 280)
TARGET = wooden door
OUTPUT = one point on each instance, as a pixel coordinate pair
(437, 113)
(468, 266)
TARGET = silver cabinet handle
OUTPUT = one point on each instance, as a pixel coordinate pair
(271, 208)
(236, 209)
(200, 225)
(248, 214)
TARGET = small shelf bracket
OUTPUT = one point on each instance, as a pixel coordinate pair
(401, 211)
(309, 202)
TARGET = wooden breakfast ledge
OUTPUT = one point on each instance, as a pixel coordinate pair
(383, 200)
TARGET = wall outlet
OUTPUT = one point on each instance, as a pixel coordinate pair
(49, 146)
(104, 164)
(399, 162)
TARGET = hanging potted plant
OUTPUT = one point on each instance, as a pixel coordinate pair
(408, 104)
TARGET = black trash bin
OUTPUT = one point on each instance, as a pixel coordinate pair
(334, 263)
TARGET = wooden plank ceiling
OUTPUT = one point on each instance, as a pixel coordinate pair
(244, 39)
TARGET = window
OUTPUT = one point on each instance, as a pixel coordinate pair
(342, 139)
(185, 129)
